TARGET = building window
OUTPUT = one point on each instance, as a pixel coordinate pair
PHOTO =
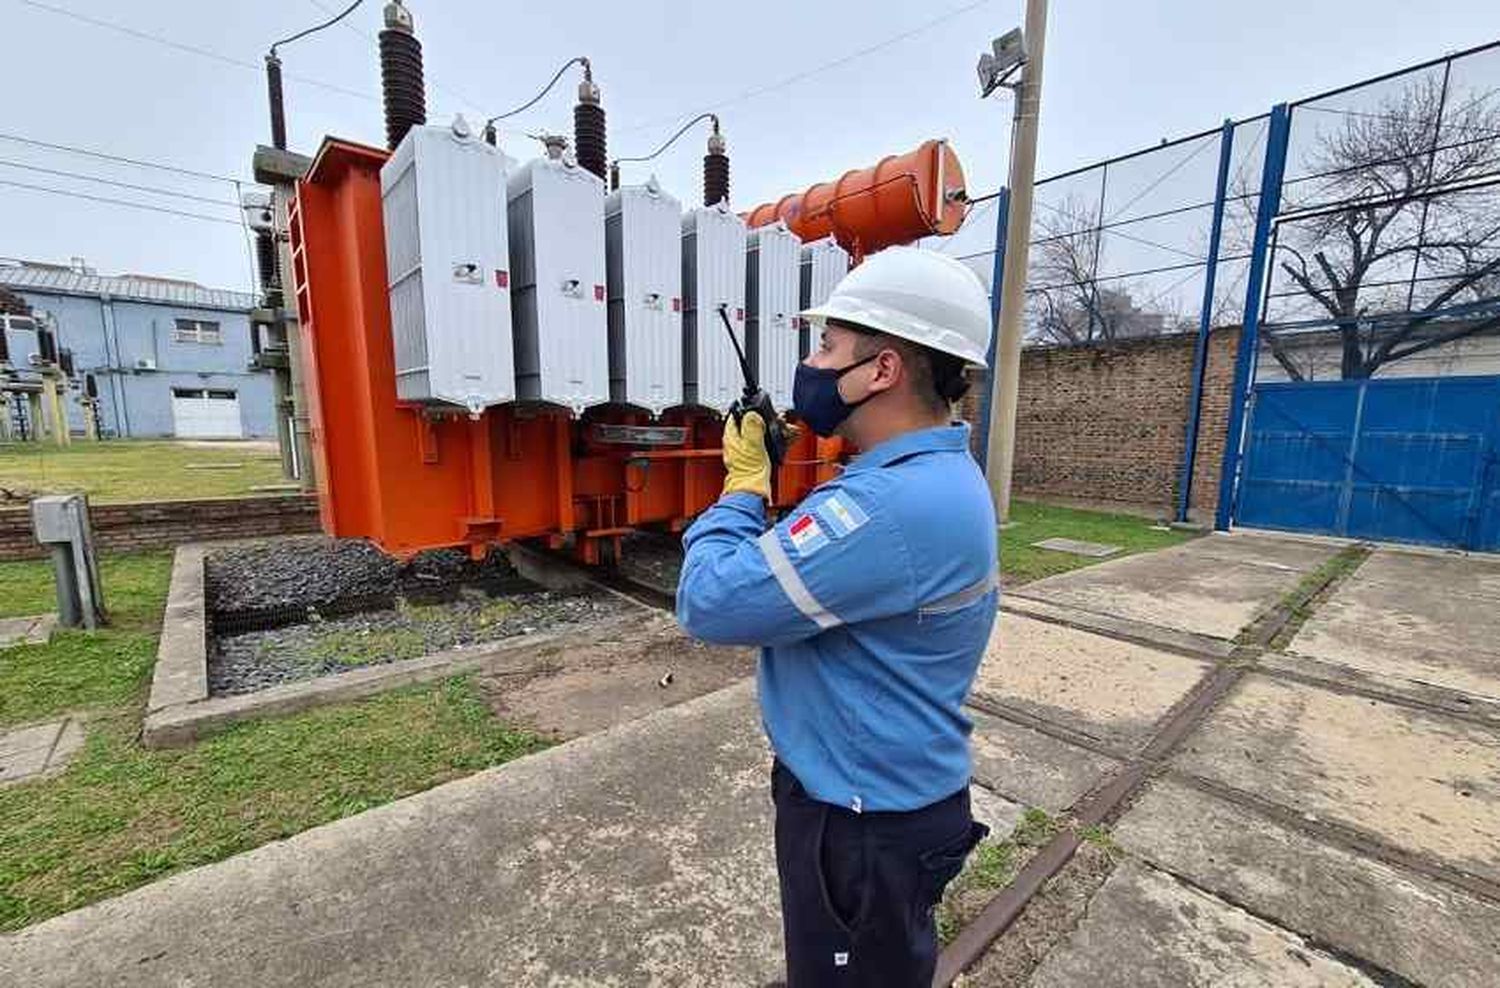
(197, 331)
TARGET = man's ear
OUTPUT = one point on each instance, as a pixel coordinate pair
(888, 370)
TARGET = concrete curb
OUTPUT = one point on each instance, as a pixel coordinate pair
(181, 674)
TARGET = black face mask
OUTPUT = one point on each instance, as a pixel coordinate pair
(816, 399)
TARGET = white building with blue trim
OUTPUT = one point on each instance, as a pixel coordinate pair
(169, 358)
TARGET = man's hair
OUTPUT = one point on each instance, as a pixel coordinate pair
(937, 378)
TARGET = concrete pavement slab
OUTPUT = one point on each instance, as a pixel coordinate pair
(1267, 549)
(994, 811)
(606, 678)
(1105, 688)
(1478, 575)
(641, 855)
(1144, 930)
(1424, 930)
(34, 630)
(1424, 618)
(1208, 586)
(69, 741)
(1420, 781)
(25, 751)
(1077, 547)
(1031, 768)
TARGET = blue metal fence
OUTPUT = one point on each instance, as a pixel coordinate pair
(1345, 233)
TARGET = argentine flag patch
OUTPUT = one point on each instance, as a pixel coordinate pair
(806, 535)
(841, 515)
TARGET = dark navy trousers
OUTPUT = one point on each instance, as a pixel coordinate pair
(858, 889)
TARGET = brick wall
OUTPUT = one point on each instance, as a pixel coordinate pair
(163, 524)
(1106, 423)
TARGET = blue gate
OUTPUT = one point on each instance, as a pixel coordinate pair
(1399, 459)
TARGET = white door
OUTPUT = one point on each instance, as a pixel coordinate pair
(199, 413)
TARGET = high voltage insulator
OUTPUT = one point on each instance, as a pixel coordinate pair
(589, 144)
(278, 107)
(401, 75)
(715, 171)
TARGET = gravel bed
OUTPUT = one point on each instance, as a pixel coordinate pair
(318, 571)
(652, 558)
(255, 660)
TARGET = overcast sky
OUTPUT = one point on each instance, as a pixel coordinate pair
(1119, 76)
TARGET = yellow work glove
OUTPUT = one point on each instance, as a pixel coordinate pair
(747, 465)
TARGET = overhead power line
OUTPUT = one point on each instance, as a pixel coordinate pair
(190, 49)
(317, 27)
(797, 77)
(154, 190)
(117, 202)
(119, 159)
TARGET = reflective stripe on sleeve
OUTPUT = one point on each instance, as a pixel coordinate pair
(963, 598)
(791, 583)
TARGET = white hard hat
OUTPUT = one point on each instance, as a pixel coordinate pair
(918, 295)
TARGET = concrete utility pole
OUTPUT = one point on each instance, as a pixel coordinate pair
(1005, 378)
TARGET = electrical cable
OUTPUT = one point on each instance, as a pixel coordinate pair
(317, 27)
(116, 202)
(154, 190)
(249, 248)
(190, 49)
(578, 60)
(671, 140)
(1202, 146)
(437, 83)
(103, 156)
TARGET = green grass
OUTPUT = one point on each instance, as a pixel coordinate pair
(120, 816)
(78, 669)
(350, 647)
(1021, 562)
(992, 866)
(1304, 598)
(137, 470)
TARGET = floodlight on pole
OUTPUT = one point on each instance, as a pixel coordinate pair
(1007, 55)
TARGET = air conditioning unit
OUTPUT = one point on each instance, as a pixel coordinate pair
(145, 364)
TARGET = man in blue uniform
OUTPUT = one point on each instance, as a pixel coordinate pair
(873, 601)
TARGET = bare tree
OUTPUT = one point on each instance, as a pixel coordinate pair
(1398, 196)
(1067, 303)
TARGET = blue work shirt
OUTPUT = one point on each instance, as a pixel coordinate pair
(874, 599)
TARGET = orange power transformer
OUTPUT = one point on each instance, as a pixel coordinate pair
(413, 476)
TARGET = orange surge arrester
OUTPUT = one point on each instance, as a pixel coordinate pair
(409, 477)
(903, 197)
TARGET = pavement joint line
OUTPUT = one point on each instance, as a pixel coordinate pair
(1116, 627)
(987, 704)
(1117, 633)
(974, 940)
(1345, 837)
(1382, 976)
(1308, 595)
(1455, 708)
